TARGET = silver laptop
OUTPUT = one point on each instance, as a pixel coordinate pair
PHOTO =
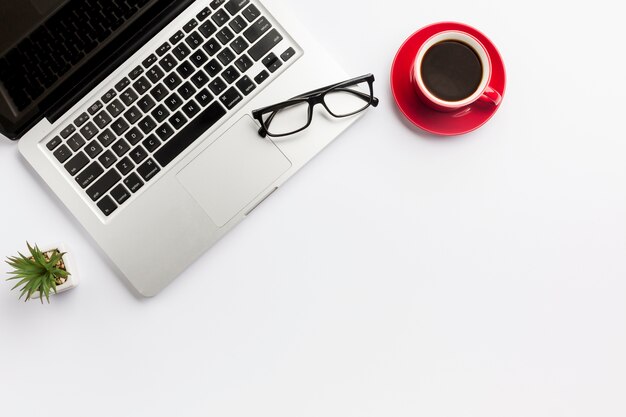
(137, 114)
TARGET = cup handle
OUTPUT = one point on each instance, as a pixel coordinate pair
(491, 96)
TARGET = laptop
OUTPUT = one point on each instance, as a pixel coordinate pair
(137, 115)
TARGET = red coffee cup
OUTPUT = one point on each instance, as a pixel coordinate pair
(484, 92)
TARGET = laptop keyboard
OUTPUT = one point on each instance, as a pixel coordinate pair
(41, 59)
(187, 85)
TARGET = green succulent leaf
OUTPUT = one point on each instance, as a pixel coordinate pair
(37, 273)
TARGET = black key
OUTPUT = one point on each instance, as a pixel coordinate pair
(262, 76)
(231, 98)
(132, 115)
(217, 86)
(107, 206)
(257, 29)
(185, 69)
(154, 74)
(122, 84)
(265, 45)
(251, 13)
(212, 46)
(102, 119)
(115, 108)
(106, 138)
(245, 85)
(207, 29)
(89, 131)
(215, 4)
(233, 6)
(107, 158)
(62, 153)
(120, 194)
(191, 108)
(272, 62)
(173, 102)
(244, 63)
(145, 103)
(199, 79)
(181, 51)
(67, 131)
(136, 73)
(120, 126)
(213, 68)
(77, 163)
(148, 170)
(54, 142)
(230, 74)
(133, 136)
(128, 97)
(204, 13)
(220, 18)
(186, 90)
(76, 142)
(190, 25)
(138, 154)
(177, 37)
(172, 81)
(238, 24)
(178, 120)
(103, 185)
(159, 92)
(93, 149)
(194, 40)
(168, 63)
(133, 182)
(196, 128)
(165, 131)
(142, 85)
(226, 56)
(89, 174)
(125, 166)
(80, 120)
(225, 35)
(94, 108)
(148, 62)
(147, 125)
(120, 147)
(151, 143)
(163, 49)
(204, 97)
(108, 96)
(160, 113)
(285, 56)
(198, 58)
(239, 45)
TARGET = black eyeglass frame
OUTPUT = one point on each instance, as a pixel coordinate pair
(314, 98)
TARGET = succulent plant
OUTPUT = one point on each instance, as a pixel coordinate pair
(40, 272)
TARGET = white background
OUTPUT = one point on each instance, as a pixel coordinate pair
(398, 275)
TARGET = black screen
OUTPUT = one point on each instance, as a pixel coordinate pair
(52, 50)
(20, 17)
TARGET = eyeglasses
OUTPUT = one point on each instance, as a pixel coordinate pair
(343, 99)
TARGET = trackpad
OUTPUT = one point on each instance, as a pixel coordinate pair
(233, 171)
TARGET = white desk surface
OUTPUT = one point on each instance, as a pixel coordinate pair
(398, 275)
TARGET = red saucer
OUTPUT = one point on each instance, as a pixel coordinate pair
(459, 122)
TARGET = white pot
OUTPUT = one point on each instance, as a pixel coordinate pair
(70, 267)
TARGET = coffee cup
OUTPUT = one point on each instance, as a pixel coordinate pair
(452, 70)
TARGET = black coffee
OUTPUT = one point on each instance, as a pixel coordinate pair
(451, 70)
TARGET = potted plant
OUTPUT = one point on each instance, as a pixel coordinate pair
(42, 272)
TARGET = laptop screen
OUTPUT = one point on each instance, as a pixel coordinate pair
(50, 48)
